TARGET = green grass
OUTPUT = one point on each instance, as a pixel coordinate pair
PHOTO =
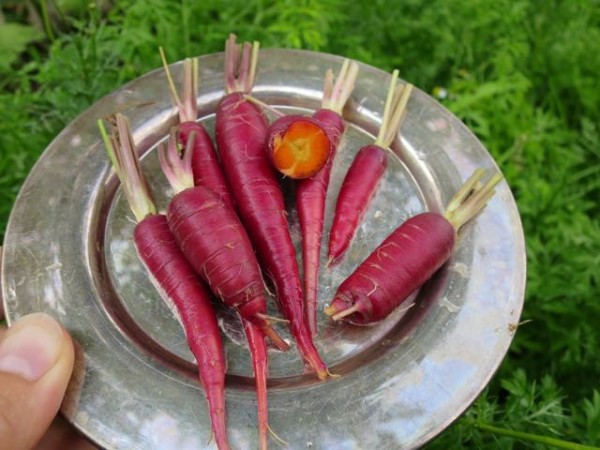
(521, 74)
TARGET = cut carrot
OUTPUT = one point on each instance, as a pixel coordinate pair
(300, 148)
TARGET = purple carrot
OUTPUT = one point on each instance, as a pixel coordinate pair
(258, 349)
(241, 131)
(172, 274)
(366, 171)
(407, 258)
(205, 163)
(177, 171)
(214, 241)
(311, 192)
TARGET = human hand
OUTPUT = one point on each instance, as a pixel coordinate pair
(36, 361)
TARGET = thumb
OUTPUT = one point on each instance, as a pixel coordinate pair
(36, 360)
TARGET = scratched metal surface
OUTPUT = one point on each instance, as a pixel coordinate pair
(68, 252)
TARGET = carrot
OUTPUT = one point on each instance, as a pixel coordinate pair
(298, 146)
(258, 349)
(213, 178)
(311, 192)
(172, 274)
(205, 163)
(241, 131)
(364, 174)
(407, 258)
(214, 241)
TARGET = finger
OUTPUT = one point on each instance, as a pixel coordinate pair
(36, 361)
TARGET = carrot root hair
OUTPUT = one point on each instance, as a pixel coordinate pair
(346, 312)
(471, 198)
(122, 153)
(336, 92)
(275, 338)
(333, 375)
(393, 112)
(272, 318)
(240, 65)
(187, 105)
(278, 439)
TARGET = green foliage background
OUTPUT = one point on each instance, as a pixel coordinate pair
(522, 74)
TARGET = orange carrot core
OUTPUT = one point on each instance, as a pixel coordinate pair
(302, 150)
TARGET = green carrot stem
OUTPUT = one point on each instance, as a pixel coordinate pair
(187, 104)
(471, 198)
(253, 65)
(241, 61)
(336, 94)
(122, 154)
(466, 189)
(401, 97)
(393, 112)
(387, 107)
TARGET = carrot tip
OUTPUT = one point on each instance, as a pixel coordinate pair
(323, 374)
(331, 310)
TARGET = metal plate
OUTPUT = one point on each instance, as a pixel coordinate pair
(69, 252)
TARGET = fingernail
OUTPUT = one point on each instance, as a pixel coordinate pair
(31, 346)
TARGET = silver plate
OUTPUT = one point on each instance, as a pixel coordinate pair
(68, 252)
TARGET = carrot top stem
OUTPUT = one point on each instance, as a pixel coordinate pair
(394, 111)
(336, 92)
(187, 106)
(470, 198)
(240, 65)
(125, 161)
(177, 167)
(264, 105)
(464, 192)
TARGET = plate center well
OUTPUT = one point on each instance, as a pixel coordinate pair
(397, 198)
